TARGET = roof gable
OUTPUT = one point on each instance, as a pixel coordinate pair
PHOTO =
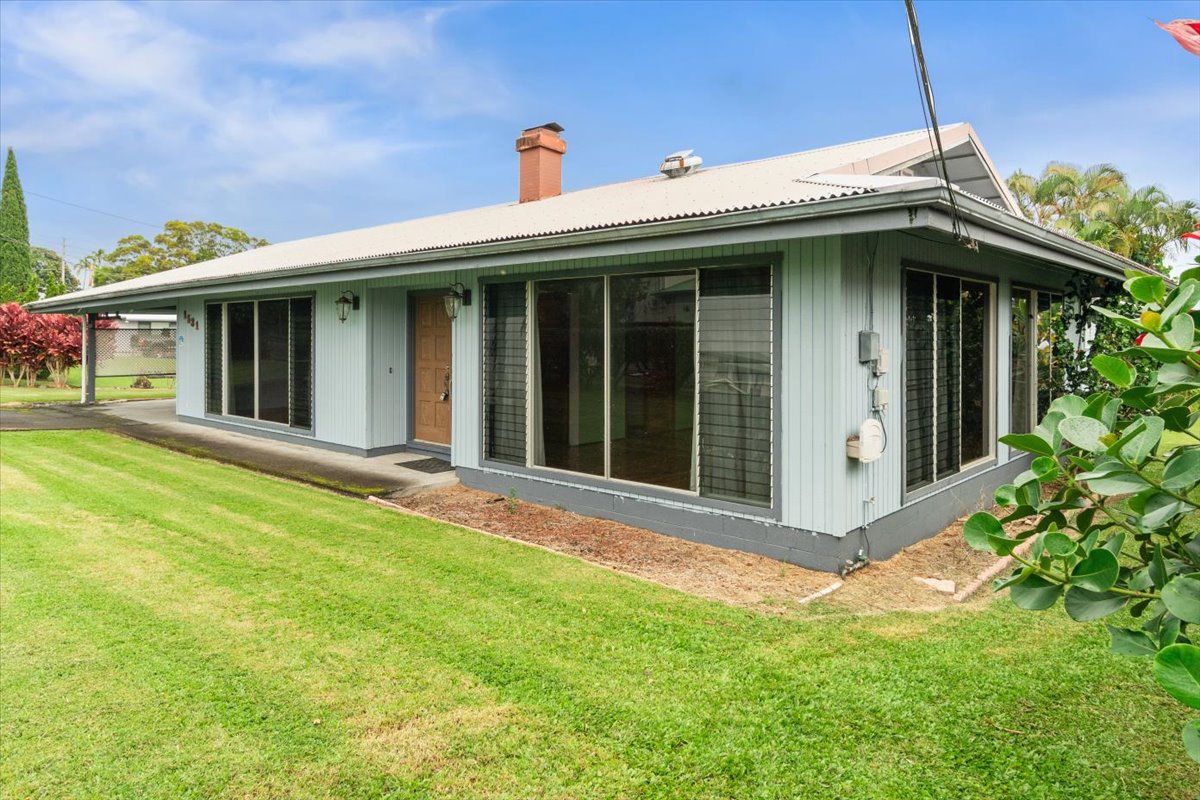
(913, 154)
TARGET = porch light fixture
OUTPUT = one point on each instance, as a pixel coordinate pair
(347, 302)
(459, 296)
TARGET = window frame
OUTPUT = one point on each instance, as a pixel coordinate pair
(990, 379)
(1032, 336)
(770, 260)
(255, 421)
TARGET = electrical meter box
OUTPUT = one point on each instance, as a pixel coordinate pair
(866, 445)
(868, 346)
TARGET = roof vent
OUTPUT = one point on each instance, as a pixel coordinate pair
(680, 163)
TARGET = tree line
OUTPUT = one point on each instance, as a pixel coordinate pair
(29, 272)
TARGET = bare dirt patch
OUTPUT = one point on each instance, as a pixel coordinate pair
(729, 576)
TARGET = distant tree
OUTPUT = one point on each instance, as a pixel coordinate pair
(1098, 206)
(179, 244)
(17, 281)
(52, 275)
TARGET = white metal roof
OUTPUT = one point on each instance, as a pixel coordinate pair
(807, 177)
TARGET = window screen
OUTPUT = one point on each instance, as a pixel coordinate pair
(504, 372)
(735, 383)
(240, 355)
(947, 374)
(300, 394)
(1049, 310)
(213, 363)
(920, 378)
(1021, 419)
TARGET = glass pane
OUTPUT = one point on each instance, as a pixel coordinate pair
(1049, 310)
(919, 378)
(653, 330)
(568, 375)
(302, 344)
(1021, 417)
(974, 440)
(213, 363)
(735, 384)
(241, 359)
(504, 372)
(273, 361)
(949, 374)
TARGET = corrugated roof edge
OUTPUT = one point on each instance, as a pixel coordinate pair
(1027, 228)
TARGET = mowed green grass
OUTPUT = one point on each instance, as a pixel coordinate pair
(171, 627)
(106, 389)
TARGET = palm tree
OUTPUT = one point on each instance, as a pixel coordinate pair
(1098, 206)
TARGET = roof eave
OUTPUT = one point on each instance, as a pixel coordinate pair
(1082, 256)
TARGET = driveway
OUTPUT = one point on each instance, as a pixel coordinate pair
(154, 421)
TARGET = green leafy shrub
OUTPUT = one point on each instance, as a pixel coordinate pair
(1106, 516)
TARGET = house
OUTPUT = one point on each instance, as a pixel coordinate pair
(809, 357)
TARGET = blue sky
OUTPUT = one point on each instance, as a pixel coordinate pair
(300, 119)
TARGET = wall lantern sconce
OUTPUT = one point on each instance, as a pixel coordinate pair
(347, 302)
(459, 296)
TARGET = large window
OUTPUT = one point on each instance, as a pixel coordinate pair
(948, 372)
(258, 360)
(1035, 365)
(661, 378)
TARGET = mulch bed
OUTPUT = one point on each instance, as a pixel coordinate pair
(726, 575)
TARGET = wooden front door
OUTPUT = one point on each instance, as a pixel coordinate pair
(432, 364)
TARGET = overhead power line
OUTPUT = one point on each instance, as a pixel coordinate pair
(958, 224)
(94, 210)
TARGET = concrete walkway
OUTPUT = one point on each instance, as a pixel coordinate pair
(154, 421)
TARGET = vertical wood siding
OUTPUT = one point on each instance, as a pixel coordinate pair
(189, 359)
(340, 374)
(871, 491)
(387, 366)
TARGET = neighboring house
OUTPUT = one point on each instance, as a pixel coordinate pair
(689, 354)
(145, 321)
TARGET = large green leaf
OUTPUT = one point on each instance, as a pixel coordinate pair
(1084, 605)
(1117, 483)
(1182, 332)
(1035, 593)
(1179, 373)
(1181, 596)
(1029, 443)
(1119, 319)
(1182, 470)
(1114, 369)
(1146, 288)
(980, 528)
(1191, 739)
(1058, 544)
(1084, 432)
(1176, 418)
(1177, 669)
(1184, 298)
(1130, 643)
(1148, 432)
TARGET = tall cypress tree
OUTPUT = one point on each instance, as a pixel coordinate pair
(17, 280)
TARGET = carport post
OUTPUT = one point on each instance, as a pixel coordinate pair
(87, 365)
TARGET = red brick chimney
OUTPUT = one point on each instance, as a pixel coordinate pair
(541, 150)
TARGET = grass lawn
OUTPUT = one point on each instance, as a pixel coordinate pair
(106, 389)
(179, 628)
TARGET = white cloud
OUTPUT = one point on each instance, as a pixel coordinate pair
(295, 98)
(354, 42)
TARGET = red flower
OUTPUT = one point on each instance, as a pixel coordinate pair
(1184, 31)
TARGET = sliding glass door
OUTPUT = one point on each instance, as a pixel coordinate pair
(652, 354)
(568, 376)
(259, 360)
(947, 372)
(660, 378)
